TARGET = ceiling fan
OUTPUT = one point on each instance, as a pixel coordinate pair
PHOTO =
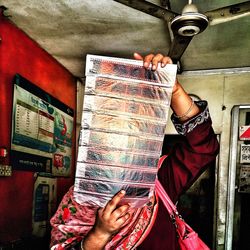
(190, 22)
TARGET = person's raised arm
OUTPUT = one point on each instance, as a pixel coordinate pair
(189, 158)
(181, 103)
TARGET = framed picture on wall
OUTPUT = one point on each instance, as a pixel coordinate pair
(42, 130)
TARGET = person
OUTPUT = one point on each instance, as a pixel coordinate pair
(122, 227)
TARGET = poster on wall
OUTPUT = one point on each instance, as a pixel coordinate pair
(244, 180)
(245, 153)
(44, 204)
(244, 132)
(42, 130)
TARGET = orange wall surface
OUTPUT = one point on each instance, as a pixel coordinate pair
(20, 54)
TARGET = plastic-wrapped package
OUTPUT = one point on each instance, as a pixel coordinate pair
(124, 118)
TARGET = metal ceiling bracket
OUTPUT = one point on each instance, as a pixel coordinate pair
(189, 24)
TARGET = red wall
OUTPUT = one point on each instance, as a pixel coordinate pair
(20, 54)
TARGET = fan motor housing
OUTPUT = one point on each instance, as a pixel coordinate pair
(189, 24)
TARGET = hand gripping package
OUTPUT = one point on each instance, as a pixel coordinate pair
(125, 112)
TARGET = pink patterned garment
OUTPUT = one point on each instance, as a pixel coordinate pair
(73, 221)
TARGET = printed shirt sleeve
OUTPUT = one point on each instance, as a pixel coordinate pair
(188, 159)
(191, 124)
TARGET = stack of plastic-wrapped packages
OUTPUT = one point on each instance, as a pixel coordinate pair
(125, 112)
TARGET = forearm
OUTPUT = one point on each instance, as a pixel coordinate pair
(95, 241)
(182, 104)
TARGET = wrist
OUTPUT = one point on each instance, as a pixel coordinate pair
(186, 115)
(177, 90)
(96, 240)
(182, 104)
(100, 234)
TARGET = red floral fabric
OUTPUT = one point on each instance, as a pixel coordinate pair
(73, 221)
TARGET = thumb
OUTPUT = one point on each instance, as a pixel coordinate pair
(137, 56)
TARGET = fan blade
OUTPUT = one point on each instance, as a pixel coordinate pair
(178, 46)
(228, 13)
(149, 8)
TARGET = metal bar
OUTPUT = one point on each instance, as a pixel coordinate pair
(231, 177)
(217, 71)
(215, 211)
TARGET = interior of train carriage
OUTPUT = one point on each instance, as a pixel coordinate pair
(43, 48)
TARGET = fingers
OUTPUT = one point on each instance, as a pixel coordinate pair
(112, 204)
(166, 60)
(119, 212)
(137, 56)
(115, 213)
(121, 215)
(116, 218)
(112, 217)
(153, 60)
(122, 220)
(148, 60)
(156, 59)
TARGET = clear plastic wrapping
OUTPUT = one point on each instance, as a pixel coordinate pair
(104, 105)
(125, 142)
(124, 158)
(124, 118)
(122, 124)
(116, 174)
